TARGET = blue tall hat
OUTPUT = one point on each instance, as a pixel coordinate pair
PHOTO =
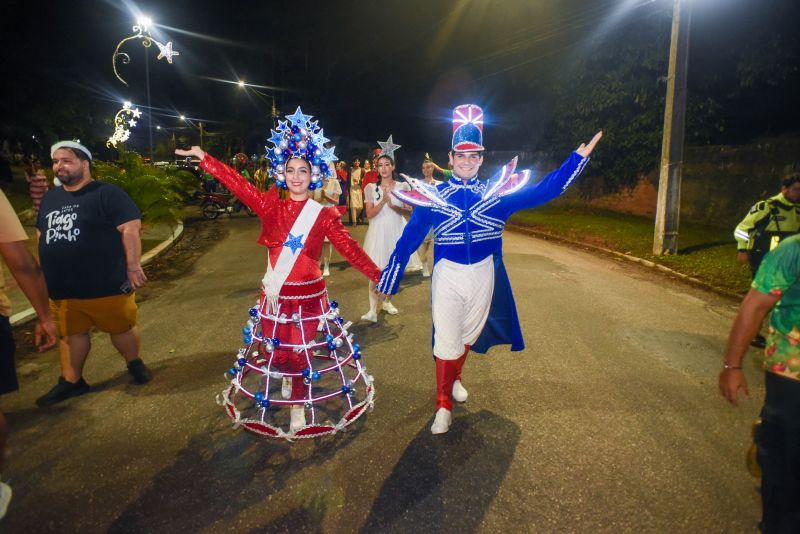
(467, 128)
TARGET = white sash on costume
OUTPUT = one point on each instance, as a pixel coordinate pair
(275, 277)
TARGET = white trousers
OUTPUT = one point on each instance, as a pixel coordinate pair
(461, 298)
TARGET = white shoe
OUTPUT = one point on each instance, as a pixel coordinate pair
(298, 418)
(286, 388)
(459, 393)
(441, 423)
(326, 272)
(370, 316)
(5, 498)
(389, 308)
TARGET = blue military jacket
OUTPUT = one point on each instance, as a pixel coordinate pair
(468, 221)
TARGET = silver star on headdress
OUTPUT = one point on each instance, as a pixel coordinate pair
(388, 147)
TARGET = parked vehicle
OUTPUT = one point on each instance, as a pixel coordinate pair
(215, 204)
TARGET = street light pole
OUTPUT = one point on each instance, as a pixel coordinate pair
(669, 182)
(149, 107)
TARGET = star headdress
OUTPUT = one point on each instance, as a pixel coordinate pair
(388, 147)
(299, 137)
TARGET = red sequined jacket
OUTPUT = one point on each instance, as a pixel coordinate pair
(277, 217)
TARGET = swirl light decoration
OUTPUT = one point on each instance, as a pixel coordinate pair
(124, 120)
(141, 31)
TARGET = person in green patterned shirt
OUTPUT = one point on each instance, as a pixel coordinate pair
(776, 287)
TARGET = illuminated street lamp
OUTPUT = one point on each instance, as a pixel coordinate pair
(142, 31)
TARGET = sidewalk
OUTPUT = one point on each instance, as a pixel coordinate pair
(155, 240)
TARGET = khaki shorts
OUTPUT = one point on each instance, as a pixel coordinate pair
(115, 314)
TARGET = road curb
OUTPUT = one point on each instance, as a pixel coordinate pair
(29, 314)
(627, 257)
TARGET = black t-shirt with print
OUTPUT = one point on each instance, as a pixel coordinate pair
(80, 247)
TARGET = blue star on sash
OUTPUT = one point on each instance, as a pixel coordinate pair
(294, 243)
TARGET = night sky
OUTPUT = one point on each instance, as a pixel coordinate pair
(364, 68)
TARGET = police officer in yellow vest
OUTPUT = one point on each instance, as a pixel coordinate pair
(768, 222)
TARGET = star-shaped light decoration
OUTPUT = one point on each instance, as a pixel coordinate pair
(276, 138)
(123, 120)
(141, 32)
(388, 147)
(283, 126)
(319, 138)
(165, 51)
(294, 243)
(328, 156)
(299, 119)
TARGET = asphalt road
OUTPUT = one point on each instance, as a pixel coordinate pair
(609, 421)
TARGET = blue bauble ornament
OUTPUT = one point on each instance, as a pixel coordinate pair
(356, 355)
(247, 330)
(345, 390)
(242, 362)
(259, 396)
(315, 375)
(331, 345)
(306, 371)
(232, 371)
(264, 403)
(295, 129)
(334, 304)
(297, 137)
(247, 340)
(329, 338)
(280, 158)
(276, 341)
(356, 347)
(323, 167)
(253, 312)
(316, 160)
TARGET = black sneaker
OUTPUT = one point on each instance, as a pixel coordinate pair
(140, 373)
(759, 342)
(62, 391)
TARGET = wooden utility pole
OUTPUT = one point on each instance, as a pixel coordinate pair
(669, 181)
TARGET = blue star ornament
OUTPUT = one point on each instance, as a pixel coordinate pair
(328, 156)
(319, 138)
(299, 119)
(388, 147)
(276, 138)
(294, 243)
(283, 126)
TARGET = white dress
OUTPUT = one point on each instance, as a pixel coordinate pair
(386, 228)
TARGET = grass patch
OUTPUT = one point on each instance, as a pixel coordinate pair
(704, 252)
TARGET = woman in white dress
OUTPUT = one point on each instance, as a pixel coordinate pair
(356, 194)
(330, 197)
(386, 222)
(426, 248)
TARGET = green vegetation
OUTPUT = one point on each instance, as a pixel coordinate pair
(706, 253)
(161, 193)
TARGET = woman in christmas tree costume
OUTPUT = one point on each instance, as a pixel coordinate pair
(295, 341)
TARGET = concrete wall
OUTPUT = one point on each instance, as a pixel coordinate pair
(720, 183)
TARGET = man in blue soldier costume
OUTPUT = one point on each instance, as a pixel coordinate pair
(472, 304)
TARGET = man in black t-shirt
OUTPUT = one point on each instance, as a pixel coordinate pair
(90, 250)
